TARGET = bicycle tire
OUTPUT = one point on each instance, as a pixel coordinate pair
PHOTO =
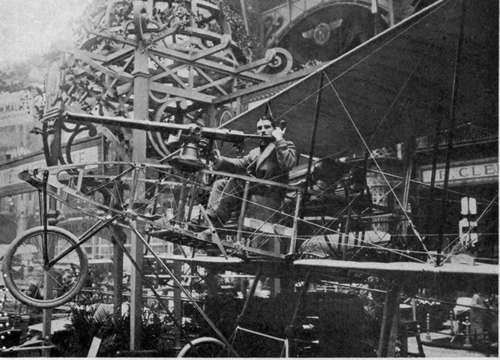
(8, 270)
(195, 348)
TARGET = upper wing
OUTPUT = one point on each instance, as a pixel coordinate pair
(397, 84)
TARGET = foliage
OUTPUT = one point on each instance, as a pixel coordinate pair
(115, 335)
(77, 342)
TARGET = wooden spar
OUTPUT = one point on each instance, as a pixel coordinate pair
(451, 129)
(383, 326)
(394, 329)
(313, 138)
(118, 238)
(243, 210)
(247, 302)
(293, 240)
(390, 320)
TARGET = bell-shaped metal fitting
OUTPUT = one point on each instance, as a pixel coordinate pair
(188, 159)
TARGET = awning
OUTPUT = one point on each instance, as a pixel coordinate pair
(397, 84)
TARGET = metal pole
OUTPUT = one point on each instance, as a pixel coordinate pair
(176, 268)
(245, 17)
(141, 111)
(48, 282)
(118, 238)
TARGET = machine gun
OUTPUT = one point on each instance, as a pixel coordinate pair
(195, 141)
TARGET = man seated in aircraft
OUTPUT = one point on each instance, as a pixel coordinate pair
(271, 160)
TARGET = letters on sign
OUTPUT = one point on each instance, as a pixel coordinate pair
(458, 173)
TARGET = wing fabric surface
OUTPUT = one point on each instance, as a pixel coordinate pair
(397, 84)
(399, 267)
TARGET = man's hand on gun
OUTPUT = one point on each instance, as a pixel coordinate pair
(278, 134)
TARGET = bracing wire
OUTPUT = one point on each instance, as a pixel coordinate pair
(410, 222)
(376, 50)
(335, 231)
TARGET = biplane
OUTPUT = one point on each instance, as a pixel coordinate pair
(354, 121)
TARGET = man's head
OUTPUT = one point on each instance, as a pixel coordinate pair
(265, 126)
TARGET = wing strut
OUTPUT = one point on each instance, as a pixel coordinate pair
(432, 186)
(390, 319)
(313, 138)
(451, 129)
(365, 144)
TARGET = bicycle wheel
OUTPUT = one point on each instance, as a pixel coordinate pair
(203, 347)
(24, 272)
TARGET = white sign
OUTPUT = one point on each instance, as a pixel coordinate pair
(8, 176)
(470, 171)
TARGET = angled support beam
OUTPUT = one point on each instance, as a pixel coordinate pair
(167, 72)
(214, 83)
(313, 137)
(171, 90)
(451, 129)
(118, 55)
(105, 34)
(84, 56)
(210, 65)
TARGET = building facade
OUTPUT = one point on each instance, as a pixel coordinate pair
(472, 199)
(17, 119)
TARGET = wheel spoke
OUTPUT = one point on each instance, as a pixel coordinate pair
(25, 275)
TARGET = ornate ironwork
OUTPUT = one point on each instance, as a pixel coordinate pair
(193, 59)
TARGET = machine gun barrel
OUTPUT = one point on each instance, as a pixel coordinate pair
(234, 136)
